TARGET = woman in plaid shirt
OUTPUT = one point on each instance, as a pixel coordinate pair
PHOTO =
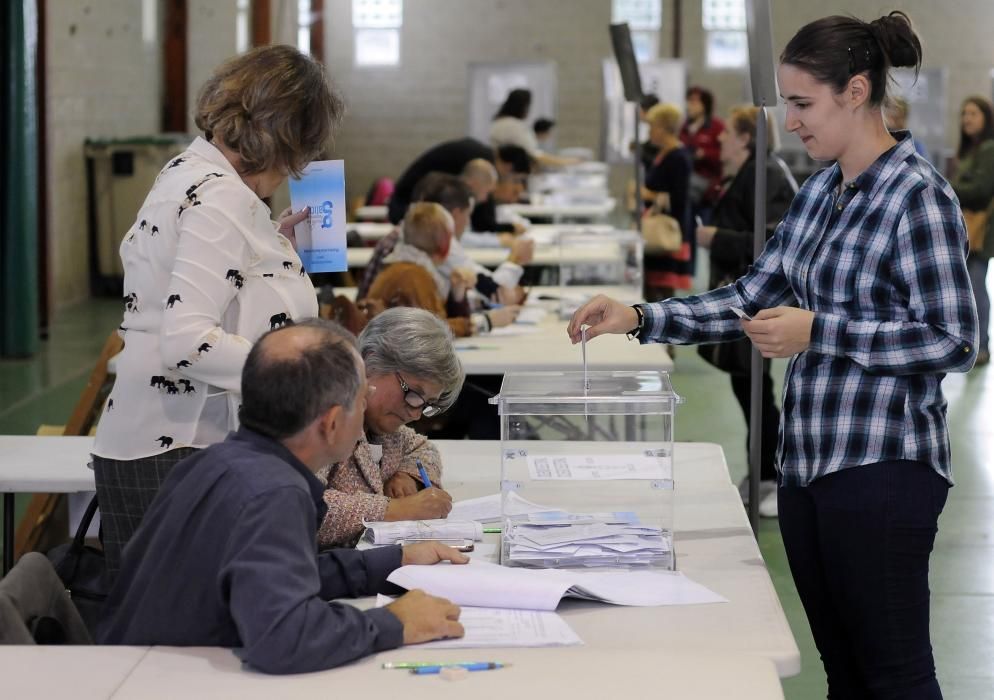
(865, 288)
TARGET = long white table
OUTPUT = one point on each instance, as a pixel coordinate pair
(577, 673)
(137, 672)
(545, 347)
(545, 255)
(371, 213)
(372, 231)
(558, 212)
(713, 544)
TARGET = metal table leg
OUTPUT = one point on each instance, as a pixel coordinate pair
(8, 532)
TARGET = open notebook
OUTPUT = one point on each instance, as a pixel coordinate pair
(485, 585)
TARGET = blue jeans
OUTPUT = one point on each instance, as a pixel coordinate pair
(858, 542)
(977, 267)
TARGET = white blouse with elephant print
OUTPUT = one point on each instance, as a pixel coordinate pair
(205, 274)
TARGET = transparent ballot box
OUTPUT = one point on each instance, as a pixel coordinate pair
(587, 469)
(598, 258)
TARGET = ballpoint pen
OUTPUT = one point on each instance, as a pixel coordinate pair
(423, 473)
(408, 665)
(479, 666)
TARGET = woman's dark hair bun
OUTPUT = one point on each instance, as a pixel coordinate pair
(898, 40)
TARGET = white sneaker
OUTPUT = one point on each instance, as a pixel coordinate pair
(766, 487)
(768, 504)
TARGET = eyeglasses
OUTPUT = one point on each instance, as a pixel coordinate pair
(416, 400)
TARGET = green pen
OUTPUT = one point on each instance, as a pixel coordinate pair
(491, 531)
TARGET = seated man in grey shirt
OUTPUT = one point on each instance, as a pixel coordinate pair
(227, 555)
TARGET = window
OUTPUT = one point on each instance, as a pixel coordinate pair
(644, 18)
(376, 31)
(725, 33)
(243, 18)
(304, 25)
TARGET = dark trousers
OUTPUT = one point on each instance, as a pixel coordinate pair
(125, 490)
(771, 419)
(858, 543)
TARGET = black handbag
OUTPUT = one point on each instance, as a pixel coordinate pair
(82, 570)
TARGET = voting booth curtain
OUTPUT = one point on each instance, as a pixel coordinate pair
(18, 180)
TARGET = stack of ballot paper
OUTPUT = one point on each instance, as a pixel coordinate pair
(486, 585)
(610, 539)
(379, 533)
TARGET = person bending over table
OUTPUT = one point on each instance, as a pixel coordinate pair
(413, 277)
(492, 286)
(206, 272)
(864, 286)
(412, 370)
(227, 554)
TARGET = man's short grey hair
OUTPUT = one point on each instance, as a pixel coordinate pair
(287, 385)
(416, 343)
(481, 171)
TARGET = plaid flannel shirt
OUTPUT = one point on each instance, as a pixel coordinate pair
(882, 264)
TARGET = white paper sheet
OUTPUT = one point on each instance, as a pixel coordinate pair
(503, 628)
(531, 315)
(599, 467)
(485, 585)
(481, 584)
(438, 529)
(487, 508)
(513, 329)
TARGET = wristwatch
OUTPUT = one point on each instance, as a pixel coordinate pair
(637, 331)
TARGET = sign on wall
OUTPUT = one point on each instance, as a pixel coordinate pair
(489, 84)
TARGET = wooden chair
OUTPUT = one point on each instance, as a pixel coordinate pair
(45, 522)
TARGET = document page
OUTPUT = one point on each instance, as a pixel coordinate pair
(485, 585)
(497, 627)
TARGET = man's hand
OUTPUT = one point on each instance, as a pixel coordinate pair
(705, 235)
(503, 316)
(426, 617)
(431, 552)
(462, 280)
(401, 484)
(424, 505)
(603, 315)
(522, 251)
(780, 332)
(519, 228)
(287, 220)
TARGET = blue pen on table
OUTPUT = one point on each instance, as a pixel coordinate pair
(481, 666)
(408, 665)
(424, 474)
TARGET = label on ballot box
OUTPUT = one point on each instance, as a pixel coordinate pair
(321, 237)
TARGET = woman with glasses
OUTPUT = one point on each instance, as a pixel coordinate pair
(412, 371)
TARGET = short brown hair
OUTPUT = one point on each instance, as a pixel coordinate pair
(273, 106)
(427, 227)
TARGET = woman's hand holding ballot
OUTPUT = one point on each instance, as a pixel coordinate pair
(782, 331)
(603, 315)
